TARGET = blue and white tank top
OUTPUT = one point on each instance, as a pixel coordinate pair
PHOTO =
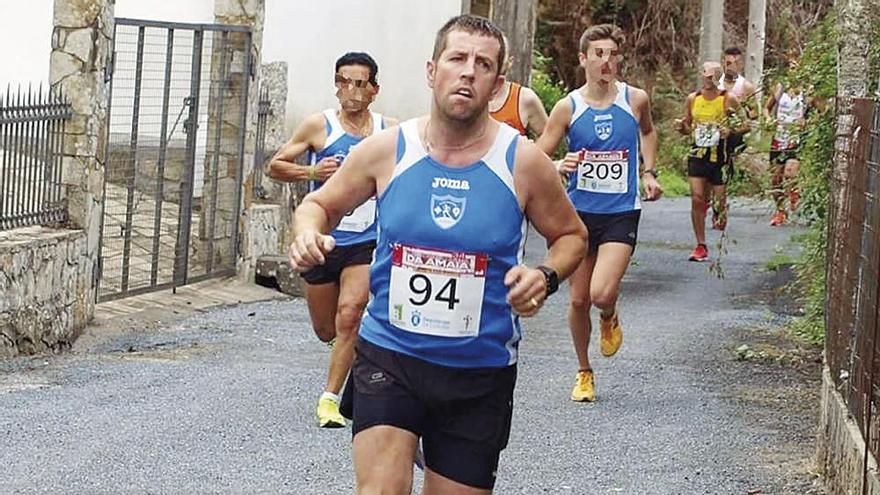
(607, 178)
(447, 237)
(358, 225)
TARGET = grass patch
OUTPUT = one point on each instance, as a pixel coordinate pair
(674, 184)
(778, 261)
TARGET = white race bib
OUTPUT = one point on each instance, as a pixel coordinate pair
(603, 171)
(359, 219)
(707, 135)
(436, 292)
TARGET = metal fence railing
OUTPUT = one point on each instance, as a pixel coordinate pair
(32, 127)
(175, 155)
(853, 269)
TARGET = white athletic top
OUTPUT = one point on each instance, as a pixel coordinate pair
(739, 87)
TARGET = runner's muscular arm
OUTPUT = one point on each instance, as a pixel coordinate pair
(310, 134)
(772, 99)
(732, 106)
(533, 110)
(548, 208)
(554, 131)
(684, 125)
(647, 131)
(367, 165)
(648, 142)
(751, 100)
(557, 126)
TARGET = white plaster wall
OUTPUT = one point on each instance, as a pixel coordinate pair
(311, 35)
(25, 42)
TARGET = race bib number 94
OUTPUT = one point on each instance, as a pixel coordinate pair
(603, 171)
(436, 292)
(359, 219)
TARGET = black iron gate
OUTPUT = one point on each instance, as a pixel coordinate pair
(175, 152)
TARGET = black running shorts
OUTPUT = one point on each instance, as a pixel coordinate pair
(462, 414)
(735, 144)
(611, 227)
(715, 173)
(337, 260)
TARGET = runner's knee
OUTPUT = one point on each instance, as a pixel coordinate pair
(604, 298)
(580, 303)
(698, 200)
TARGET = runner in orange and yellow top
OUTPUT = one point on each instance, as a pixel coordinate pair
(518, 106)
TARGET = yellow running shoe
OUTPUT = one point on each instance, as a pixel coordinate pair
(328, 414)
(584, 390)
(612, 335)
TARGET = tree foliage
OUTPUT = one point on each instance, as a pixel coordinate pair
(665, 34)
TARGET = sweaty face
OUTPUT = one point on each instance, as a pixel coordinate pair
(731, 66)
(465, 76)
(601, 61)
(353, 88)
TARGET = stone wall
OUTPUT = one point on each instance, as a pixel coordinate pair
(47, 276)
(229, 63)
(841, 449)
(264, 233)
(266, 223)
(273, 83)
(45, 289)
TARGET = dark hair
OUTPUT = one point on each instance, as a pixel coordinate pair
(601, 32)
(736, 52)
(472, 24)
(359, 58)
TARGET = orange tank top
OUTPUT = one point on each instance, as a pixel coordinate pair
(509, 111)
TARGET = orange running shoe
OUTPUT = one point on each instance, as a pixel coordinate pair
(777, 219)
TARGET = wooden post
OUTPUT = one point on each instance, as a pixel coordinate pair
(517, 19)
(755, 48)
(711, 29)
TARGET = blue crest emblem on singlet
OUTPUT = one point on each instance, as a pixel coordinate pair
(603, 129)
(447, 210)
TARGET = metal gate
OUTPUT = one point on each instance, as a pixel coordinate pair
(175, 152)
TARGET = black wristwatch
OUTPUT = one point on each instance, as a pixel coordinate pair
(551, 278)
(652, 171)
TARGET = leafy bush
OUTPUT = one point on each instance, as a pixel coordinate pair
(817, 71)
(548, 91)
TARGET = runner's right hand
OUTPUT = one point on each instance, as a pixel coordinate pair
(309, 249)
(326, 168)
(569, 164)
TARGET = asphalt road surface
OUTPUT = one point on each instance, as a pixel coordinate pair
(223, 402)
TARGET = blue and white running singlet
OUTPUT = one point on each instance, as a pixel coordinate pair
(607, 178)
(358, 225)
(447, 237)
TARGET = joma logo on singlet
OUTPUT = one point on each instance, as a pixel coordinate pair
(460, 184)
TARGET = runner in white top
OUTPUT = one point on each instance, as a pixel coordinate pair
(786, 109)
